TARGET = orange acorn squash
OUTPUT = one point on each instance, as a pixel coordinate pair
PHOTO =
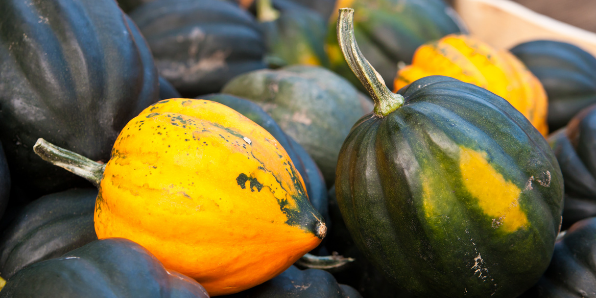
(472, 61)
(207, 191)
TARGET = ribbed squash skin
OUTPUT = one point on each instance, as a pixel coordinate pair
(575, 149)
(305, 165)
(103, 268)
(311, 104)
(567, 73)
(572, 272)
(298, 283)
(473, 61)
(199, 45)
(207, 191)
(48, 228)
(452, 194)
(73, 73)
(389, 32)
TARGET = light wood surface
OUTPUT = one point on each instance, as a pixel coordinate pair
(504, 24)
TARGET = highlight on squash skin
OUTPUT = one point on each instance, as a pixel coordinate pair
(211, 194)
(474, 62)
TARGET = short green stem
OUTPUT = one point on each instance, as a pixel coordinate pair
(266, 12)
(385, 100)
(72, 162)
(333, 261)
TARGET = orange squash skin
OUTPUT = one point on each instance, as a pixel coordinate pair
(210, 193)
(472, 61)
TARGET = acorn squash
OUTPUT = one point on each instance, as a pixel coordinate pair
(296, 35)
(48, 228)
(473, 61)
(567, 73)
(306, 166)
(103, 268)
(207, 191)
(73, 72)
(446, 188)
(575, 149)
(199, 45)
(297, 283)
(389, 32)
(311, 104)
(572, 271)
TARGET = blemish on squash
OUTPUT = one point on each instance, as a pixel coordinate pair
(497, 197)
(254, 183)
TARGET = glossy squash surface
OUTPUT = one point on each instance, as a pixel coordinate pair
(472, 61)
(567, 73)
(446, 188)
(48, 228)
(199, 45)
(211, 194)
(572, 271)
(100, 269)
(74, 73)
(575, 148)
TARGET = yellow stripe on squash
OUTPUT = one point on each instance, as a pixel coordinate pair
(498, 198)
(204, 189)
(472, 61)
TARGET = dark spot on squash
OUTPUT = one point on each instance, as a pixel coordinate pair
(254, 183)
(152, 115)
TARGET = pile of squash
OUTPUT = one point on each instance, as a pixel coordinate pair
(289, 148)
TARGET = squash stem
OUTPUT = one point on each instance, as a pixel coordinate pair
(266, 12)
(333, 261)
(72, 162)
(385, 100)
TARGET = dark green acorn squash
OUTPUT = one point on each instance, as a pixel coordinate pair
(73, 72)
(323, 7)
(313, 179)
(446, 188)
(300, 284)
(4, 182)
(109, 268)
(166, 90)
(389, 32)
(199, 45)
(567, 73)
(575, 149)
(48, 228)
(572, 271)
(311, 104)
(294, 34)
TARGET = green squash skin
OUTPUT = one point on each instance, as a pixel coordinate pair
(323, 7)
(113, 267)
(572, 272)
(311, 175)
(4, 182)
(575, 149)
(73, 73)
(388, 165)
(129, 5)
(47, 228)
(298, 283)
(388, 32)
(199, 45)
(311, 104)
(567, 74)
(297, 36)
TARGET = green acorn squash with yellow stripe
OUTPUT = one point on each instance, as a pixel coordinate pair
(446, 188)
